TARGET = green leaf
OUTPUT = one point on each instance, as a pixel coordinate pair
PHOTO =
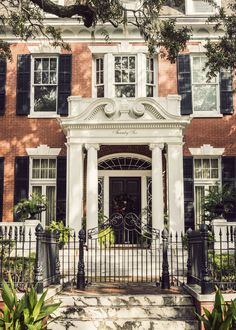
(48, 310)
(20, 307)
(39, 305)
(7, 295)
(32, 296)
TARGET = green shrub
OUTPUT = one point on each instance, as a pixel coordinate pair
(222, 266)
(65, 232)
(223, 315)
(28, 312)
(106, 237)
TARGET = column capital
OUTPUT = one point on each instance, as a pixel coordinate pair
(95, 146)
(153, 146)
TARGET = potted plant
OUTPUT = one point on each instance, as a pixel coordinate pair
(219, 202)
(27, 209)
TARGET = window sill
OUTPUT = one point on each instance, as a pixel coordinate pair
(44, 115)
(206, 115)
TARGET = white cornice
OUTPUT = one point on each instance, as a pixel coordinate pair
(44, 48)
(123, 47)
(43, 150)
(206, 150)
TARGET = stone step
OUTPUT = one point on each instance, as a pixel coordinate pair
(127, 300)
(128, 324)
(130, 312)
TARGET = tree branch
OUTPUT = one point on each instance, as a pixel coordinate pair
(87, 13)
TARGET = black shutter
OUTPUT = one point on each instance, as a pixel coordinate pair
(61, 189)
(21, 179)
(3, 70)
(184, 84)
(226, 92)
(1, 185)
(229, 179)
(23, 85)
(188, 193)
(64, 83)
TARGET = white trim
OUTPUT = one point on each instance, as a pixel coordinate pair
(125, 154)
(106, 174)
(108, 52)
(124, 173)
(43, 151)
(42, 114)
(44, 48)
(203, 113)
(206, 150)
(124, 47)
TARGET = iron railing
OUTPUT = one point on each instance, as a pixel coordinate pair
(130, 253)
(212, 259)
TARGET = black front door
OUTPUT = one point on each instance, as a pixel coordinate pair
(125, 197)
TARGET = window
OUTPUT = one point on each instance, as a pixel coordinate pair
(206, 176)
(205, 94)
(124, 76)
(150, 77)
(45, 80)
(43, 181)
(200, 7)
(100, 77)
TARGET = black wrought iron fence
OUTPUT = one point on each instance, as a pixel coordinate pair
(30, 257)
(17, 256)
(212, 258)
(130, 253)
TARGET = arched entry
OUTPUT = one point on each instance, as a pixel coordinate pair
(124, 184)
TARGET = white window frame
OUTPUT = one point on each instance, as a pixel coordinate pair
(203, 113)
(135, 73)
(189, 9)
(42, 114)
(206, 183)
(100, 72)
(109, 73)
(42, 182)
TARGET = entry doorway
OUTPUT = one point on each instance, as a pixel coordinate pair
(125, 199)
(125, 195)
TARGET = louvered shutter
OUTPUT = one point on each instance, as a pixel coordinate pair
(23, 85)
(61, 189)
(1, 185)
(21, 179)
(229, 179)
(3, 69)
(184, 84)
(64, 83)
(188, 193)
(226, 92)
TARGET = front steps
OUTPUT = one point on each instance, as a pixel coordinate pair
(126, 312)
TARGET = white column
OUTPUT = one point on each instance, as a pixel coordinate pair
(157, 187)
(92, 186)
(75, 174)
(175, 186)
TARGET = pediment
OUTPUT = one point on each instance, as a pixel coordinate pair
(119, 110)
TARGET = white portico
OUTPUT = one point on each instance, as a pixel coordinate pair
(154, 122)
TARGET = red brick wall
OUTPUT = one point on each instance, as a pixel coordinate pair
(20, 132)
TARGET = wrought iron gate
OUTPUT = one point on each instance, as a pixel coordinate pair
(123, 249)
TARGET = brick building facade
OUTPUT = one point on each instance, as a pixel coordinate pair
(124, 107)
